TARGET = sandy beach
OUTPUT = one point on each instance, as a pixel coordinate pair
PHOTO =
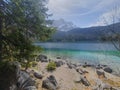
(67, 78)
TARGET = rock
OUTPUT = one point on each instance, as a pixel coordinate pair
(19, 80)
(70, 66)
(75, 65)
(50, 83)
(99, 66)
(87, 65)
(53, 80)
(25, 81)
(104, 65)
(58, 57)
(85, 72)
(102, 86)
(77, 69)
(81, 71)
(100, 73)
(58, 63)
(42, 58)
(30, 88)
(107, 69)
(38, 75)
(84, 81)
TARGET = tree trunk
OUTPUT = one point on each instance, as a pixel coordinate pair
(26, 66)
(0, 38)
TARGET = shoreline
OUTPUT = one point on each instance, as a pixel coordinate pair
(67, 76)
(114, 66)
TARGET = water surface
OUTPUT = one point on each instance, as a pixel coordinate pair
(93, 53)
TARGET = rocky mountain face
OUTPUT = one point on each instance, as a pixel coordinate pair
(85, 34)
(63, 25)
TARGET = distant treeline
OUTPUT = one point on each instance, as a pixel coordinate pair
(100, 33)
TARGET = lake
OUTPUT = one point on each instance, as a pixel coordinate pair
(93, 53)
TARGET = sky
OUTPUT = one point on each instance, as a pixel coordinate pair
(85, 13)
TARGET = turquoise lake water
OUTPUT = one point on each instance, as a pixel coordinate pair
(93, 53)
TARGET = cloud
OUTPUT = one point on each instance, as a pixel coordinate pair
(81, 11)
(67, 7)
(108, 18)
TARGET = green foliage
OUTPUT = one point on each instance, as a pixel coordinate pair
(34, 63)
(26, 64)
(23, 21)
(51, 66)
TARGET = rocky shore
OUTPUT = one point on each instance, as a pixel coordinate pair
(73, 76)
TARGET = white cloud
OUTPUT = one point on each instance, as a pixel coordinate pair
(66, 7)
(107, 18)
(76, 10)
(60, 7)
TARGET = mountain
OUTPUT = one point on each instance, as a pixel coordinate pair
(63, 25)
(85, 34)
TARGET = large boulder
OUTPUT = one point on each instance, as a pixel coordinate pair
(42, 58)
(50, 83)
(12, 78)
(25, 81)
(107, 69)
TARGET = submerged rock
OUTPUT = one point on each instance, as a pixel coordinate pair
(58, 57)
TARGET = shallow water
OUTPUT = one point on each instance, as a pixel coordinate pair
(93, 53)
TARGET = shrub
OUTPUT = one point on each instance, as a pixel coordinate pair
(51, 66)
(34, 63)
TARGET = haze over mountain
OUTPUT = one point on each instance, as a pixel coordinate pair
(85, 34)
(63, 25)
